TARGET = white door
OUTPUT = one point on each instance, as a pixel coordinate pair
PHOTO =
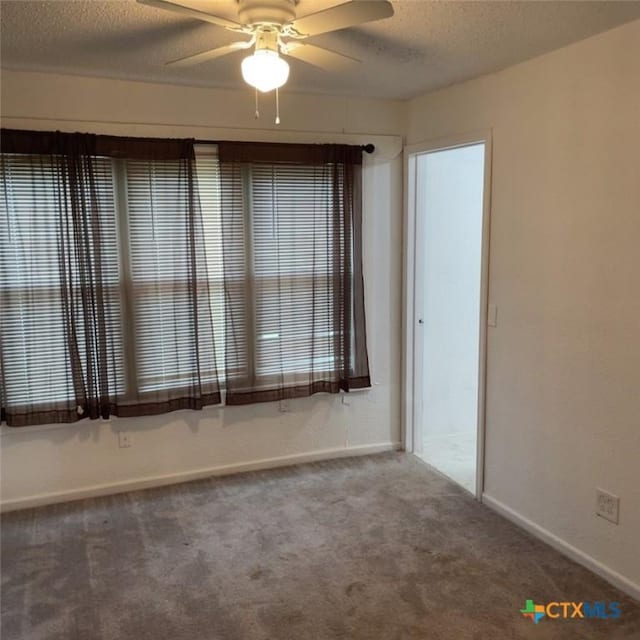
(448, 197)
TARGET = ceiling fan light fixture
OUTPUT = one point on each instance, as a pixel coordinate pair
(265, 70)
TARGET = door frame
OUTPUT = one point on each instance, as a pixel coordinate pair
(411, 372)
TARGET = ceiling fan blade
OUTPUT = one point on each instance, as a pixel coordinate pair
(318, 57)
(188, 12)
(342, 16)
(209, 55)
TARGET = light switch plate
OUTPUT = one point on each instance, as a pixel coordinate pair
(492, 315)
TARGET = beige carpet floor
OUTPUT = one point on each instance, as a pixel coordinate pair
(375, 548)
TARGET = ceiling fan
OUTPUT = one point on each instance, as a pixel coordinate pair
(274, 29)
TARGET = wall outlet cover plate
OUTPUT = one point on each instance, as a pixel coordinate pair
(607, 506)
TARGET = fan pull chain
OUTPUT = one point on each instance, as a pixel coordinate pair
(257, 109)
(277, 106)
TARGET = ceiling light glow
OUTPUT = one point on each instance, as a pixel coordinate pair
(265, 70)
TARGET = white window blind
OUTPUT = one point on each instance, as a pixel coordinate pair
(35, 351)
(160, 265)
(294, 266)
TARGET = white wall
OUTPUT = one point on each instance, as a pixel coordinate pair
(43, 464)
(449, 205)
(563, 405)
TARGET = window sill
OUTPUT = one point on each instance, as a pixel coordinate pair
(6, 431)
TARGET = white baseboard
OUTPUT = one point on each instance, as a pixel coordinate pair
(611, 576)
(135, 484)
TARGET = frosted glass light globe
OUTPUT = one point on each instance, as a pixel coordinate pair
(265, 70)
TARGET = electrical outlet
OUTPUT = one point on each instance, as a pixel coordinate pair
(124, 440)
(607, 506)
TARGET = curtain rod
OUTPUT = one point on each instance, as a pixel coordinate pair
(367, 148)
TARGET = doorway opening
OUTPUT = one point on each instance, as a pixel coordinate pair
(448, 208)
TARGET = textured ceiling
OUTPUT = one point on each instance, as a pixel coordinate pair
(424, 46)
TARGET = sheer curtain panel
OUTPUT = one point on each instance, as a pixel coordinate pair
(291, 230)
(104, 299)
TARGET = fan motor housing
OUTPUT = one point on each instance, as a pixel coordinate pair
(266, 11)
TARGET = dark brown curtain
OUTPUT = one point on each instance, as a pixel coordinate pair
(104, 301)
(292, 244)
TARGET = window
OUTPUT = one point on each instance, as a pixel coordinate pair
(144, 268)
(34, 356)
(139, 276)
(292, 265)
(157, 272)
(293, 268)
